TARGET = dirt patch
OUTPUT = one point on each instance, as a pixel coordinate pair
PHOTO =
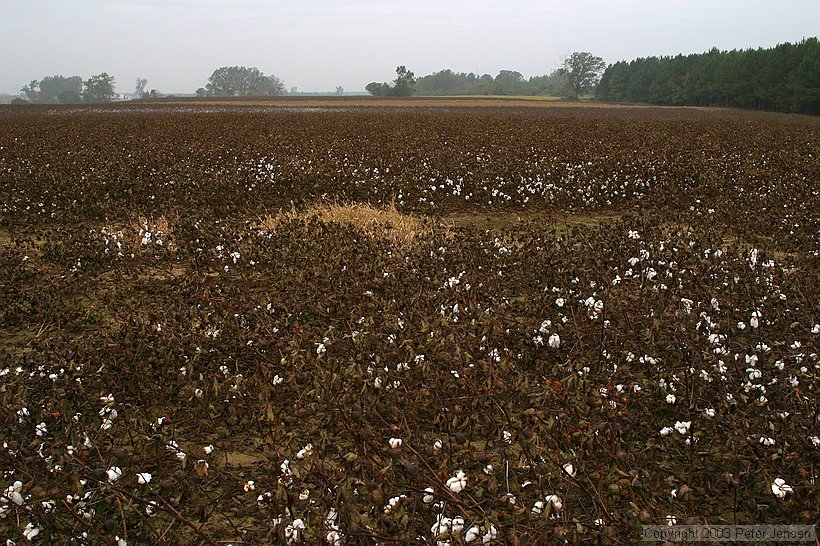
(5, 238)
(505, 221)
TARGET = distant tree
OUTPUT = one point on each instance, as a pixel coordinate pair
(403, 84)
(54, 88)
(378, 89)
(508, 82)
(547, 84)
(446, 82)
(202, 92)
(32, 90)
(230, 81)
(61, 88)
(340, 90)
(99, 88)
(581, 71)
(485, 85)
(783, 78)
(140, 89)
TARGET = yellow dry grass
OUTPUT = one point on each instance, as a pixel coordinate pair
(377, 223)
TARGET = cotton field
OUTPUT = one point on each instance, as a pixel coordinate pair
(430, 325)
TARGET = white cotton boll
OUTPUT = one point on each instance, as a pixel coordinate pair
(13, 493)
(144, 478)
(457, 525)
(666, 431)
(334, 537)
(457, 483)
(441, 526)
(683, 426)
(114, 473)
(767, 441)
(815, 329)
(780, 488)
(555, 501)
(472, 533)
(559, 302)
(31, 531)
(306, 451)
(670, 399)
(671, 520)
(710, 412)
(490, 535)
(428, 496)
(538, 508)
(208, 449)
(395, 443)
(437, 445)
(569, 469)
(741, 325)
(554, 341)
(249, 486)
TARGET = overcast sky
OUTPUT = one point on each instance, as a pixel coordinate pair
(317, 45)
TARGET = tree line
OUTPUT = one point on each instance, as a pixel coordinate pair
(785, 78)
(223, 82)
(71, 89)
(578, 74)
(231, 81)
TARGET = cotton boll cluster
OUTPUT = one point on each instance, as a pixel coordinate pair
(458, 482)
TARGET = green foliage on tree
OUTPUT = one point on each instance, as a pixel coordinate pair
(52, 89)
(507, 82)
(99, 88)
(403, 84)
(580, 72)
(378, 89)
(230, 81)
(785, 78)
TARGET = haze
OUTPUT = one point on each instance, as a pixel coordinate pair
(318, 45)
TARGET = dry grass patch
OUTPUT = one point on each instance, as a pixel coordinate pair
(387, 223)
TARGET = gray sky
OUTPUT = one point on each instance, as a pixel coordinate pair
(315, 46)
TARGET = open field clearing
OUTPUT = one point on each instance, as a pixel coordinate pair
(357, 322)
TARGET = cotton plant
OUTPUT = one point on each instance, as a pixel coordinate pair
(551, 503)
(392, 503)
(780, 488)
(458, 482)
(294, 532)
